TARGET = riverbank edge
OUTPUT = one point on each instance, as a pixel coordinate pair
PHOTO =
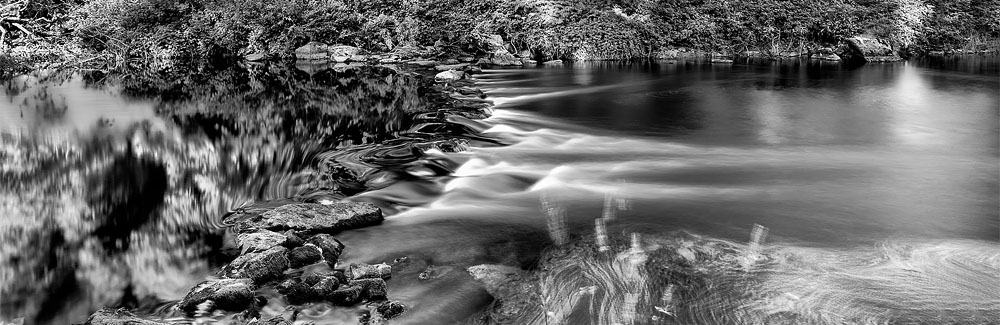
(23, 60)
(274, 241)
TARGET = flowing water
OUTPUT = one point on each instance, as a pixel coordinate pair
(878, 185)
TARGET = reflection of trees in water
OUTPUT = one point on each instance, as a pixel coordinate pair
(129, 217)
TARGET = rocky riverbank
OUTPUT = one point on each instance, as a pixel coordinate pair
(291, 248)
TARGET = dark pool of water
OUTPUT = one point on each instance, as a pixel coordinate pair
(881, 180)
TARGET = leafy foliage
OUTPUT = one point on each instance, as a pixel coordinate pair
(155, 32)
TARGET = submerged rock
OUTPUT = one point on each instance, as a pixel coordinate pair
(344, 296)
(371, 289)
(225, 294)
(314, 217)
(274, 320)
(313, 51)
(390, 309)
(382, 313)
(259, 267)
(330, 247)
(515, 288)
(109, 316)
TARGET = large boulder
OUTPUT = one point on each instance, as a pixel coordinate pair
(314, 217)
(502, 57)
(870, 50)
(224, 294)
(313, 51)
(259, 267)
(108, 316)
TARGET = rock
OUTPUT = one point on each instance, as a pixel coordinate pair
(466, 59)
(390, 309)
(423, 63)
(259, 241)
(722, 61)
(259, 267)
(342, 53)
(494, 42)
(502, 57)
(525, 61)
(553, 62)
(450, 75)
(826, 57)
(870, 49)
(330, 248)
(469, 91)
(446, 67)
(274, 320)
(473, 69)
(255, 57)
(371, 289)
(314, 277)
(514, 288)
(326, 286)
(451, 62)
(304, 255)
(313, 51)
(524, 54)
(249, 316)
(108, 316)
(315, 217)
(292, 240)
(297, 292)
(345, 296)
(359, 58)
(367, 271)
(388, 60)
(484, 61)
(224, 294)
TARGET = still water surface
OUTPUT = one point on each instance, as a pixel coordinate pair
(879, 183)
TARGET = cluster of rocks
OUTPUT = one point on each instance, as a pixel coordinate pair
(858, 49)
(291, 248)
(498, 55)
(271, 243)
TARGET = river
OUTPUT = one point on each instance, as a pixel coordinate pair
(877, 185)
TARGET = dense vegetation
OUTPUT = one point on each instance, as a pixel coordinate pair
(153, 31)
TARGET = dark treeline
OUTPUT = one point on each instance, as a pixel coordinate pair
(151, 30)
